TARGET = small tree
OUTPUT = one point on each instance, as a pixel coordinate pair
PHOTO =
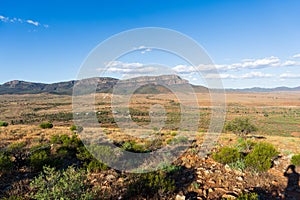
(240, 126)
(45, 125)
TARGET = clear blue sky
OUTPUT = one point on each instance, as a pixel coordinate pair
(253, 42)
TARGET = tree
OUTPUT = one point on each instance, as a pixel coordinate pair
(240, 126)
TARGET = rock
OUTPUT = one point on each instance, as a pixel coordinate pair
(110, 177)
(180, 197)
(199, 191)
(239, 178)
(276, 162)
(227, 168)
(220, 190)
(210, 190)
(228, 196)
(188, 166)
(206, 172)
(238, 172)
(274, 182)
(204, 193)
(199, 181)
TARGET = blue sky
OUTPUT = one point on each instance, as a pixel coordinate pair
(252, 42)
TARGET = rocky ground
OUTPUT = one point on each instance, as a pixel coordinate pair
(200, 178)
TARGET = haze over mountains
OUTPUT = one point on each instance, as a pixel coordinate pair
(146, 84)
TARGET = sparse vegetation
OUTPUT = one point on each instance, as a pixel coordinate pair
(74, 128)
(5, 162)
(26, 149)
(45, 125)
(260, 159)
(40, 156)
(227, 155)
(248, 196)
(2, 123)
(240, 126)
(151, 183)
(68, 184)
(296, 160)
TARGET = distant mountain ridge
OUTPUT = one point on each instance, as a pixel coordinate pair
(259, 89)
(145, 84)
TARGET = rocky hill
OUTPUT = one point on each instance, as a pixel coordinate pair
(145, 84)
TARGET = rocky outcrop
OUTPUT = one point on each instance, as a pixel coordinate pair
(146, 84)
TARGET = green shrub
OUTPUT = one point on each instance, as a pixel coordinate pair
(76, 128)
(68, 184)
(83, 154)
(177, 140)
(55, 139)
(96, 166)
(38, 159)
(153, 144)
(238, 165)
(106, 153)
(245, 145)
(46, 125)
(133, 147)
(296, 160)
(260, 159)
(248, 196)
(66, 141)
(240, 126)
(18, 151)
(227, 155)
(5, 162)
(151, 183)
(2, 123)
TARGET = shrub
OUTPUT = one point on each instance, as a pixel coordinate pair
(55, 139)
(260, 159)
(240, 126)
(106, 153)
(83, 154)
(66, 141)
(227, 155)
(133, 147)
(18, 152)
(238, 165)
(68, 184)
(296, 160)
(177, 140)
(76, 128)
(245, 145)
(46, 125)
(39, 158)
(248, 196)
(151, 183)
(5, 162)
(153, 144)
(96, 166)
(2, 123)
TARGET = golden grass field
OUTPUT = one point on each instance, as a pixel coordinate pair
(277, 115)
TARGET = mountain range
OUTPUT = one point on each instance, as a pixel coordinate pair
(144, 84)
